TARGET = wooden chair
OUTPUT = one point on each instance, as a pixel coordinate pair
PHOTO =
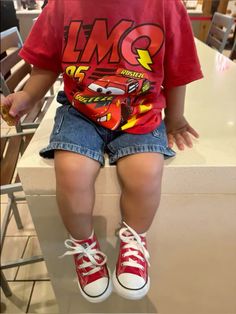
(12, 147)
(219, 31)
(15, 73)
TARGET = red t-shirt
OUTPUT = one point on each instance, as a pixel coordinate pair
(117, 57)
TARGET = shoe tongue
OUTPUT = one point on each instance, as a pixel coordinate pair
(128, 233)
(86, 242)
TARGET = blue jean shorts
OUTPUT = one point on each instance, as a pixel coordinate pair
(74, 132)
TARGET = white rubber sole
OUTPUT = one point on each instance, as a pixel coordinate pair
(128, 293)
(101, 297)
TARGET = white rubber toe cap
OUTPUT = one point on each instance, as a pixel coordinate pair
(97, 287)
(131, 281)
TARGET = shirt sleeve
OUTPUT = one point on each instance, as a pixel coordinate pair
(43, 46)
(181, 63)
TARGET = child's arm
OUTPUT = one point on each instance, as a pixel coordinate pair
(36, 87)
(177, 127)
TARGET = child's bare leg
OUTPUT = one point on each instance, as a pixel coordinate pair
(140, 176)
(75, 177)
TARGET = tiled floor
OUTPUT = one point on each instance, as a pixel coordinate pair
(32, 290)
(30, 284)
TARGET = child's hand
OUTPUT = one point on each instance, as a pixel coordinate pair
(4, 113)
(15, 106)
(179, 132)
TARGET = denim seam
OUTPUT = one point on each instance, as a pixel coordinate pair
(147, 148)
(112, 147)
(74, 148)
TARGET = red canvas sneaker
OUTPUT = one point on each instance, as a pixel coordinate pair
(130, 278)
(92, 272)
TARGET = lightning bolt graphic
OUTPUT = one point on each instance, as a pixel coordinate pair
(131, 122)
(144, 59)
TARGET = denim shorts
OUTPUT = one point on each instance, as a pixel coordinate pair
(74, 132)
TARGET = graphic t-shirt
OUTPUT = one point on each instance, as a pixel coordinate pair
(118, 58)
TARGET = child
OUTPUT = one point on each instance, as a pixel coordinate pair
(123, 62)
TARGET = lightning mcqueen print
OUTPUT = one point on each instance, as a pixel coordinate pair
(112, 101)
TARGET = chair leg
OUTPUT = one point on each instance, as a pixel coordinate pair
(18, 127)
(16, 214)
(5, 221)
(5, 286)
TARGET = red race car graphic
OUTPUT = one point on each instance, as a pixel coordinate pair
(108, 100)
(119, 85)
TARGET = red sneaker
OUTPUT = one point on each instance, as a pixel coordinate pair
(92, 272)
(130, 278)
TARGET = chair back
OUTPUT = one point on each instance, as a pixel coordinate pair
(12, 148)
(14, 70)
(14, 75)
(219, 31)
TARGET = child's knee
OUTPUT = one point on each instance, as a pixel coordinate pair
(144, 180)
(75, 173)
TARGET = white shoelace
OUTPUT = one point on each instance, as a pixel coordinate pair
(134, 244)
(93, 254)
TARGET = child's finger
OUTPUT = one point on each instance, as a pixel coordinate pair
(193, 132)
(179, 141)
(171, 141)
(187, 139)
(14, 110)
(6, 101)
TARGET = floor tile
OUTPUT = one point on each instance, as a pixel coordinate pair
(13, 249)
(34, 271)
(4, 199)
(3, 207)
(28, 226)
(18, 302)
(43, 299)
